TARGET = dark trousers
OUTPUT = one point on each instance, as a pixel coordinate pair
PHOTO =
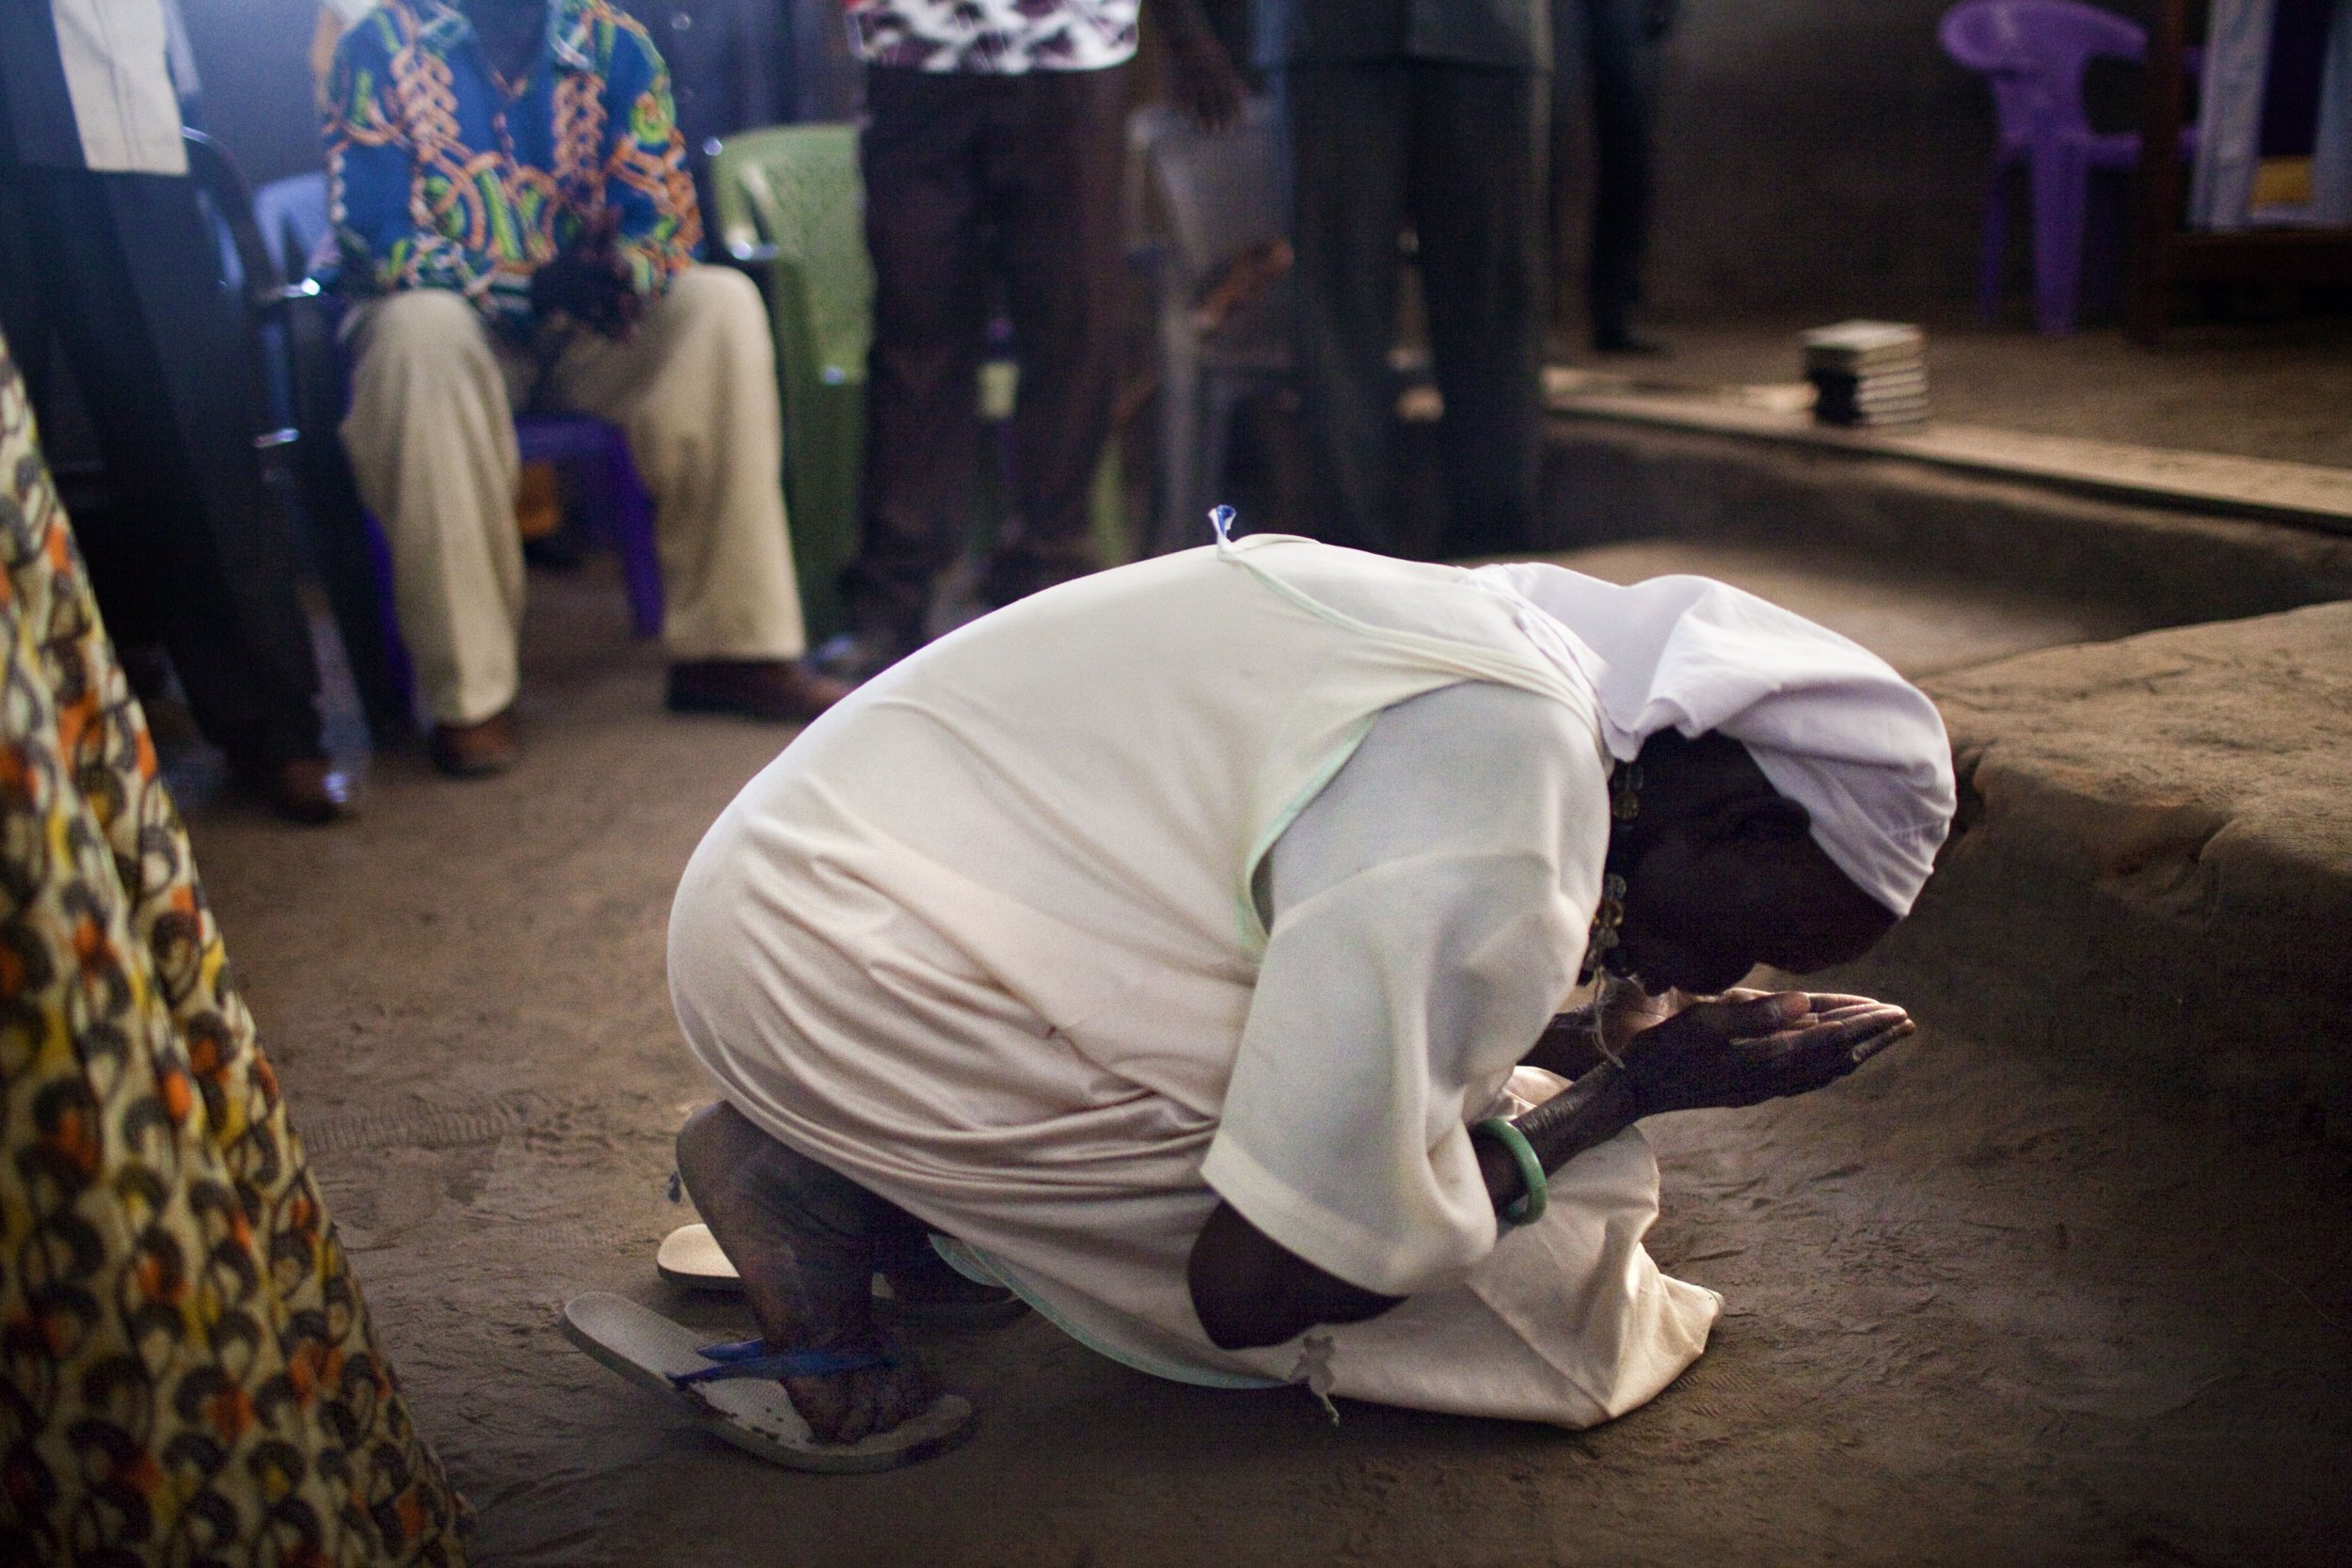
(1461, 151)
(971, 178)
(120, 273)
(1613, 46)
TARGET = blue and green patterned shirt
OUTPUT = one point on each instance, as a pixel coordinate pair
(441, 177)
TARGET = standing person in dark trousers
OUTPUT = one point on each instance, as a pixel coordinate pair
(1432, 112)
(1615, 44)
(106, 256)
(994, 144)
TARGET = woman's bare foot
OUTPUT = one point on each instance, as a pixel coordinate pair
(805, 1239)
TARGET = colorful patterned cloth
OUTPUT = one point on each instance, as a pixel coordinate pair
(441, 177)
(994, 37)
(187, 1373)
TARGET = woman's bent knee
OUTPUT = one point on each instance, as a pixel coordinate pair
(706, 1133)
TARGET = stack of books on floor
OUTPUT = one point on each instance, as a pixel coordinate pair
(1866, 373)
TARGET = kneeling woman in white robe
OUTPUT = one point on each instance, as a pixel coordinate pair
(1186, 942)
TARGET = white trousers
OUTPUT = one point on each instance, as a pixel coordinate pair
(431, 435)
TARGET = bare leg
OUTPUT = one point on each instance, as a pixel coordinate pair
(805, 1240)
(903, 1255)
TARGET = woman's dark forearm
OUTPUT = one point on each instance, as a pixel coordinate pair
(1249, 1291)
(1569, 1045)
(1597, 1106)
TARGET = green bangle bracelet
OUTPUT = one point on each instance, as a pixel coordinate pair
(1528, 1207)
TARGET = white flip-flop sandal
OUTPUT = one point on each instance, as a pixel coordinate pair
(690, 1256)
(732, 1390)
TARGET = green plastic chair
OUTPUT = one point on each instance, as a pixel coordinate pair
(791, 211)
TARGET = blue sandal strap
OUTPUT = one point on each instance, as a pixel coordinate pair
(751, 1358)
(744, 1352)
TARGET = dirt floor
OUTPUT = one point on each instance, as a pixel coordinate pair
(1984, 1305)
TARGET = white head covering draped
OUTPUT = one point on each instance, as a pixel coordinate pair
(1831, 725)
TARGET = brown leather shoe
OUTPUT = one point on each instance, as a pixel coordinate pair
(307, 789)
(476, 751)
(780, 689)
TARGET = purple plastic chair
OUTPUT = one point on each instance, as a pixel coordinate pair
(619, 512)
(2034, 53)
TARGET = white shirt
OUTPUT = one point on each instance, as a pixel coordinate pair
(113, 53)
(993, 36)
(1417, 932)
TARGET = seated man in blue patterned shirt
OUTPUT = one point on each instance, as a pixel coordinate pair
(516, 225)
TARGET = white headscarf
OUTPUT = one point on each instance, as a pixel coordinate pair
(1831, 725)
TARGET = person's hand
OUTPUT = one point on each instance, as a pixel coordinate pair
(848, 1406)
(1626, 1011)
(1603, 1029)
(590, 282)
(1201, 80)
(1749, 1047)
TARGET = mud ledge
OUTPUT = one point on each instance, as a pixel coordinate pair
(2155, 864)
(1607, 481)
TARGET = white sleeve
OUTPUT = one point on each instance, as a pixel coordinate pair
(1429, 911)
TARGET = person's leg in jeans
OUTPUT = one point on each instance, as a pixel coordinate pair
(1054, 156)
(1476, 183)
(921, 439)
(133, 292)
(1344, 131)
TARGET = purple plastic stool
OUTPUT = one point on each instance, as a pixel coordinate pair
(618, 512)
(2034, 53)
(618, 509)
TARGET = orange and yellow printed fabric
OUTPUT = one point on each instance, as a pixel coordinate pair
(187, 1372)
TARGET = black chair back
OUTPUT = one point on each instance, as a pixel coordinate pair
(292, 331)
